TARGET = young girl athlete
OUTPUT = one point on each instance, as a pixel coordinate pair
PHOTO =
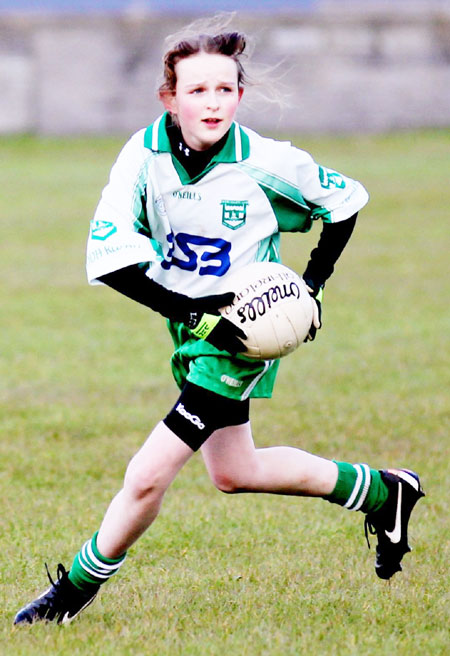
(192, 198)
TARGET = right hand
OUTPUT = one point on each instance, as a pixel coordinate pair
(205, 305)
(206, 323)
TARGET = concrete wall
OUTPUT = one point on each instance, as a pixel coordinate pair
(342, 71)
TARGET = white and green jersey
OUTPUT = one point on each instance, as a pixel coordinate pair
(196, 231)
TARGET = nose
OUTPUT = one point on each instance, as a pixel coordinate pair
(212, 101)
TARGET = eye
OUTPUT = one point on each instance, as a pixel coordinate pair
(226, 89)
(197, 90)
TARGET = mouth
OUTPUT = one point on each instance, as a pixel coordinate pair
(211, 122)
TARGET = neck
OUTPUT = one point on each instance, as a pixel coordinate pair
(194, 161)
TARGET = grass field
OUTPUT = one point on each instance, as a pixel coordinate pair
(84, 376)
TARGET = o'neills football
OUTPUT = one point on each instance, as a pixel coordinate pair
(272, 306)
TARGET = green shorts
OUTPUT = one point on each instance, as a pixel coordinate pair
(235, 377)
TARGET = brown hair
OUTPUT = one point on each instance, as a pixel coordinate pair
(230, 44)
(215, 36)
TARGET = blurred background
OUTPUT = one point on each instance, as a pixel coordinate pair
(78, 67)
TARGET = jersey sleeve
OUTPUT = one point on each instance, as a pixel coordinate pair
(119, 234)
(298, 189)
(331, 196)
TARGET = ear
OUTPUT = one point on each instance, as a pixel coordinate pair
(240, 93)
(168, 100)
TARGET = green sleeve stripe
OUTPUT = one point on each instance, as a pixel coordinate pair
(277, 185)
(290, 216)
(139, 202)
(293, 212)
(269, 249)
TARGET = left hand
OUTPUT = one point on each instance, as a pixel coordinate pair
(316, 300)
(227, 337)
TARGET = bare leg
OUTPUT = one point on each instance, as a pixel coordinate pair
(235, 465)
(148, 476)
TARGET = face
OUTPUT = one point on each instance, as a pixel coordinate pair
(205, 99)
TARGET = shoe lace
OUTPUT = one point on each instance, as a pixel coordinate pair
(60, 573)
(57, 591)
(55, 598)
(369, 529)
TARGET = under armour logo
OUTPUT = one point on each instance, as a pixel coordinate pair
(186, 150)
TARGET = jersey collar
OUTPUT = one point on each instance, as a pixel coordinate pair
(235, 149)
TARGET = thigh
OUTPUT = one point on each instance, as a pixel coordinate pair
(161, 456)
(230, 449)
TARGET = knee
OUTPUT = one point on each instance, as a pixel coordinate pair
(141, 481)
(227, 482)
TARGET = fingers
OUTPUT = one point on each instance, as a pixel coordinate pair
(316, 314)
(234, 329)
(316, 321)
(227, 337)
(231, 337)
(215, 302)
(234, 346)
(225, 299)
(310, 337)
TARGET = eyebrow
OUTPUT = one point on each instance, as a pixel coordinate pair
(204, 83)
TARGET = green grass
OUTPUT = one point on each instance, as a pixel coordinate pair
(84, 376)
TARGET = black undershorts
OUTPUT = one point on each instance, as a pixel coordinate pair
(199, 412)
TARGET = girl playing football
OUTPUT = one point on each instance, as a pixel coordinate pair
(162, 235)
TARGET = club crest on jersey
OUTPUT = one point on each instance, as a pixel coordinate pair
(101, 230)
(234, 213)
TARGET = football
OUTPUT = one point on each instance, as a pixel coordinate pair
(272, 306)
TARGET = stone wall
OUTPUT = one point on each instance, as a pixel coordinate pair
(340, 72)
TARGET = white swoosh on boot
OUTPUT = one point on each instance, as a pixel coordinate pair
(395, 535)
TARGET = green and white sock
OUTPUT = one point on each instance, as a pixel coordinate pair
(90, 568)
(358, 487)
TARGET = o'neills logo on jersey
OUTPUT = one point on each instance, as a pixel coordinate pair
(187, 195)
(194, 419)
(234, 213)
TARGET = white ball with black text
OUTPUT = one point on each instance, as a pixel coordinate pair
(272, 306)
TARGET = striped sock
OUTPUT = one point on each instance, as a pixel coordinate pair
(90, 569)
(358, 488)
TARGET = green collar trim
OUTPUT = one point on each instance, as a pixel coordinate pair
(236, 148)
(155, 137)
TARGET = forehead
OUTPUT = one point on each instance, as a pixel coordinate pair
(204, 66)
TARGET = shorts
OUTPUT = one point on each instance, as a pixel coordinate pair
(233, 376)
